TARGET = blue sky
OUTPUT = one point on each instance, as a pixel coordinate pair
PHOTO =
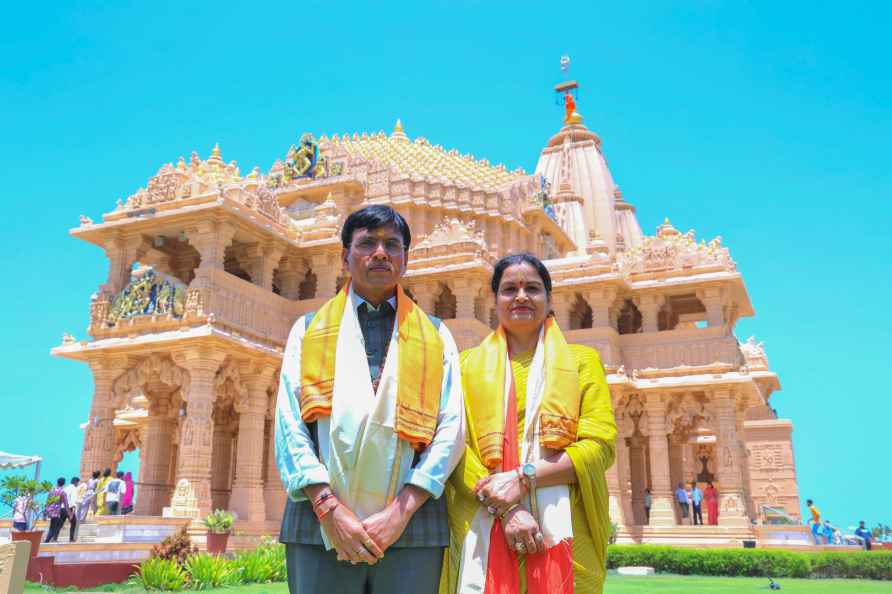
(766, 123)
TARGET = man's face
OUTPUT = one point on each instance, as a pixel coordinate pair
(376, 259)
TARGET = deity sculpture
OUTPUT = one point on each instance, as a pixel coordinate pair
(569, 106)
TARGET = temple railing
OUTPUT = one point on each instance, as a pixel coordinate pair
(691, 347)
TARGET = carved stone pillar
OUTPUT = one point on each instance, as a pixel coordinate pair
(661, 511)
(211, 240)
(221, 461)
(197, 428)
(273, 491)
(466, 292)
(327, 268)
(292, 271)
(601, 300)
(265, 260)
(425, 297)
(732, 506)
(614, 487)
(99, 437)
(155, 469)
(561, 303)
(649, 305)
(714, 300)
(247, 491)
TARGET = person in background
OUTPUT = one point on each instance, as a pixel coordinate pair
(127, 497)
(865, 535)
(828, 532)
(22, 509)
(57, 504)
(88, 502)
(114, 490)
(648, 501)
(681, 498)
(100, 492)
(711, 496)
(815, 521)
(70, 514)
(697, 503)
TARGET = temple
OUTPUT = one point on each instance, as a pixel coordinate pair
(209, 268)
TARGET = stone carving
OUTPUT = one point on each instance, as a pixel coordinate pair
(687, 414)
(452, 241)
(767, 457)
(148, 293)
(184, 503)
(754, 354)
(154, 367)
(672, 250)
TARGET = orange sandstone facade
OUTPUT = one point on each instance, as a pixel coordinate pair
(208, 269)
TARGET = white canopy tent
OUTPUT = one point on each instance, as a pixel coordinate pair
(16, 461)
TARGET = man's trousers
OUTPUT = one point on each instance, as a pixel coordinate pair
(409, 570)
(698, 513)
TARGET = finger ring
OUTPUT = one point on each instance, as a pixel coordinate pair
(520, 547)
(492, 511)
(539, 537)
(481, 497)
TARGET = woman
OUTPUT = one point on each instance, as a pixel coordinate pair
(88, 501)
(127, 497)
(541, 435)
(711, 496)
(100, 492)
(56, 510)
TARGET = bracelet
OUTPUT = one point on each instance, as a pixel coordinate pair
(324, 509)
(523, 480)
(325, 494)
(509, 510)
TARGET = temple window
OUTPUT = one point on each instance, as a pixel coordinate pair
(580, 314)
(629, 321)
(680, 312)
(172, 255)
(446, 304)
(233, 260)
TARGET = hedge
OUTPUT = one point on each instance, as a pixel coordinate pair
(875, 565)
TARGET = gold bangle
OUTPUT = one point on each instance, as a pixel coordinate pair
(509, 510)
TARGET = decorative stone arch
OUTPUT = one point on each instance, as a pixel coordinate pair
(687, 414)
(308, 285)
(629, 320)
(155, 367)
(446, 305)
(126, 440)
(580, 314)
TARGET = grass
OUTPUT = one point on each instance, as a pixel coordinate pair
(615, 585)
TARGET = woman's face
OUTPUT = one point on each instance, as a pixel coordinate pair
(522, 303)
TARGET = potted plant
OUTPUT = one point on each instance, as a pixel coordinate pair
(20, 495)
(219, 525)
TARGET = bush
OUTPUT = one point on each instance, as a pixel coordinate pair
(264, 564)
(176, 547)
(219, 521)
(753, 562)
(160, 574)
(210, 571)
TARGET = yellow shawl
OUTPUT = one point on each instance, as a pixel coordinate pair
(420, 367)
(483, 382)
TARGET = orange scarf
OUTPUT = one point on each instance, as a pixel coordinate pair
(420, 367)
(484, 386)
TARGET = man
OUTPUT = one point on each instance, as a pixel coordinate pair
(696, 501)
(73, 499)
(56, 506)
(369, 425)
(865, 535)
(648, 502)
(681, 497)
(815, 521)
(113, 492)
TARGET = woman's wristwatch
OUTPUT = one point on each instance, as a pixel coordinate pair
(529, 473)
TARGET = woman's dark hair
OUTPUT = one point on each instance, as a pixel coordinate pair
(106, 472)
(515, 259)
(60, 482)
(75, 480)
(374, 217)
(96, 474)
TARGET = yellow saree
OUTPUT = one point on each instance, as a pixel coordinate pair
(592, 454)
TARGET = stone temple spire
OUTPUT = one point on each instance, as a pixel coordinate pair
(398, 133)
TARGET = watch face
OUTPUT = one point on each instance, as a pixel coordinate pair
(529, 470)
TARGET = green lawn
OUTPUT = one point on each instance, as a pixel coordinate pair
(629, 585)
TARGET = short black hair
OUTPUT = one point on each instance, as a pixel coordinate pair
(374, 217)
(120, 474)
(106, 472)
(75, 480)
(96, 474)
(60, 481)
(808, 502)
(521, 258)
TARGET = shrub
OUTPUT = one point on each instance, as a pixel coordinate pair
(753, 562)
(210, 571)
(219, 521)
(264, 564)
(176, 547)
(159, 574)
